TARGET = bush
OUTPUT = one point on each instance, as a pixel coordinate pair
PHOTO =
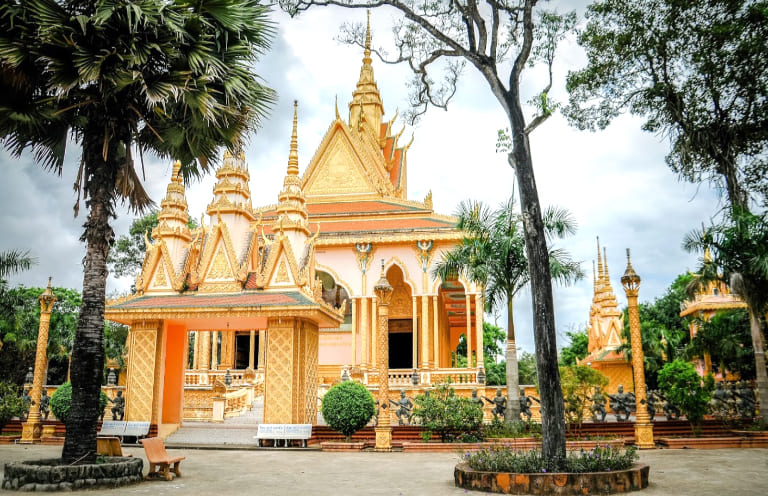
(504, 459)
(62, 397)
(686, 390)
(450, 416)
(347, 407)
(11, 403)
(501, 429)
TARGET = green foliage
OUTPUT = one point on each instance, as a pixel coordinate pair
(505, 459)
(62, 398)
(726, 338)
(450, 416)
(13, 261)
(502, 429)
(115, 336)
(11, 403)
(577, 349)
(685, 389)
(526, 366)
(578, 383)
(347, 407)
(697, 72)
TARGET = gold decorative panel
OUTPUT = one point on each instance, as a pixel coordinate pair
(279, 373)
(340, 173)
(219, 267)
(282, 273)
(141, 374)
(310, 371)
(160, 281)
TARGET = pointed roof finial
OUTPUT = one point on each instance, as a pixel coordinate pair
(368, 39)
(605, 264)
(594, 276)
(599, 261)
(176, 174)
(293, 155)
(336, 104)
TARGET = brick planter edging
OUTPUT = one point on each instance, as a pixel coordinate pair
(47, 475)
(521, 444)
(619, 481)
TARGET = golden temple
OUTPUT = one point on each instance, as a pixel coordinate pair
(281, 297)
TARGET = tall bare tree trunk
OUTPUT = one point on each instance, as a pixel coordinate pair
(88, 349)
(513, 377)
(755, 327)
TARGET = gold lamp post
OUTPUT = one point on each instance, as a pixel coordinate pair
(383, 291)
(643, 427)
(31, 429)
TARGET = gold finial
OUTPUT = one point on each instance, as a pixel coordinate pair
(605, 264)
(594, 276)
(336, 103)
(599, 261)
(176, 175)
(293, 155)
(367, 58)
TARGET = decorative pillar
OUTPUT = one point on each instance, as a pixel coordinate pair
(215, 350)
(32, 428)
(435, 333)
(479, 310)
(142, 381)
(262, 361)
(424, 332)
(353, 302)
(205, 349)
(643, 426)
(415, 334)
(364, 331)
(196, 351)
(383, 291)
(374, 332)
(469, 330)
(251, 350)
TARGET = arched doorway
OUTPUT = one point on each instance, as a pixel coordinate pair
(401, 322)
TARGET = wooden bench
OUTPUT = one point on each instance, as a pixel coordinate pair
(286, 432)
(158, 459)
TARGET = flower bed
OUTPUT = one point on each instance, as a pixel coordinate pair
(619, 481)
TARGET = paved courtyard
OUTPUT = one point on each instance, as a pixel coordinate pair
(311, 472)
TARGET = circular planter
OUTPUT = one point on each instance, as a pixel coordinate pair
(620, 481)
(48, 475)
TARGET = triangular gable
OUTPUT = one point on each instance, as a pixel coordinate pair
(160, 279)
(341, 167)
(220, 268)
(158, 273)
(281, 270)
(613, 335)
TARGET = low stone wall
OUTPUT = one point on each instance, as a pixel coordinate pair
(619, 481)
(48, 475)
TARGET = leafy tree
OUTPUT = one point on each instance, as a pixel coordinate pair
(726, 339)
(11, 403)
(61, 401)
(347, 407)
(499, 40)
(493, 254)
(451, 417)
(127, 254)
(736, 251)
(696, 70)
(117, 77)
(579, 383)
(686, 390)
(577, 349)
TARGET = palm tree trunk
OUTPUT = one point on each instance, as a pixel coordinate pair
(88, 348)
(755, 327)
(512, 412)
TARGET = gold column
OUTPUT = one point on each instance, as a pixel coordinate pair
(435, 334)
(424, 332)
(383, 292)
(196, 351)
(32, 428)
(251, 349)
(354, 331)
(214, 350)
(262, 349)
(205, 349)
(364, 331)
(643, 426)
(415, 359)
(142, 364)
(374, 332)
(469, 330)
(479, 329)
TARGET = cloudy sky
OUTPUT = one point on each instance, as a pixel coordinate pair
(615, 182)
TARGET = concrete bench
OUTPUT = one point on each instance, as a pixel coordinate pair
(284, 432)
(159, 461)
(112, 428)
(121, 429)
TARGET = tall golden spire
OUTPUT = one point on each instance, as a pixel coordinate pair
(292, 207)
(599, 262)
(606, 275)
(366, 98)
(293, 155)
(173, 217)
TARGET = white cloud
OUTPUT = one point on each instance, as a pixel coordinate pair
(614, 182)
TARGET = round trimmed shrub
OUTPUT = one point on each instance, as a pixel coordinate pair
(347, 407)
(62, 398)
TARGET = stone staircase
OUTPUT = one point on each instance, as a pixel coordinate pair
(237, 431)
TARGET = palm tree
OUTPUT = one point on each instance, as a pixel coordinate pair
(736, 251)
(14, 261)
(493, 254)
(121, 77)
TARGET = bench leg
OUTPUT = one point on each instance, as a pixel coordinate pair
(177, 469)
(167, 471)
